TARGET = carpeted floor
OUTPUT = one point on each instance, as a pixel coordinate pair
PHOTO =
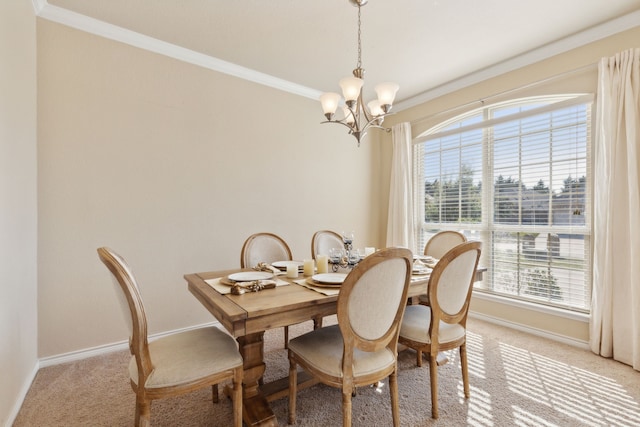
(516, 380)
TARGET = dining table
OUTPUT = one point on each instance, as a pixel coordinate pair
(248, 315)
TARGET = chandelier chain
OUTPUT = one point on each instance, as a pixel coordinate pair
(359, 41)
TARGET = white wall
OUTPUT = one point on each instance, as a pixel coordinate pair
(18, 227)
(173, 166)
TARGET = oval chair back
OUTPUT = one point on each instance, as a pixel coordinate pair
(264, 247)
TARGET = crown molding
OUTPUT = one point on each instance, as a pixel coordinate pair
(615, 26)
(103, 29)
(100, 28)
(38, 5)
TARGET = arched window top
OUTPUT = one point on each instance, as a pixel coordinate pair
(488, 115)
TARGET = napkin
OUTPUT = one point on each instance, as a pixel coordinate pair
(427, 262)
(263, 266)
(226, 289)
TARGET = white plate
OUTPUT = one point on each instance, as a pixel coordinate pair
(425, 258)
(283, 264)
(330, 278)
(249, 276)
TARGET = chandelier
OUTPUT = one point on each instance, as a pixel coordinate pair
(357, 117)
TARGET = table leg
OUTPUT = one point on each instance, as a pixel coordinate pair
(255, 408)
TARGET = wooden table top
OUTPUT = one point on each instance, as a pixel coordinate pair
(270, 308)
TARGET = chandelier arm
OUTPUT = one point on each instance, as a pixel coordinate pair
(340, 122)
(371, 124)
(355, 112)
(368, 117)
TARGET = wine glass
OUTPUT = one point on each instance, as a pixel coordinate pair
(347, 238)
(335, 255)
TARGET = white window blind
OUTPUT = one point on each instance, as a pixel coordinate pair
(516, 176)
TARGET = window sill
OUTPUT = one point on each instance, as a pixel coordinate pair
(556, 324)
(554, 311)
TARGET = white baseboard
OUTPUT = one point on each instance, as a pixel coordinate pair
(108, 348)
(13, 414)
(533, 331)
(79, 355)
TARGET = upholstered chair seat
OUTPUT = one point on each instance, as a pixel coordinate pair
(183, 358)
(416, 323)
(321, 349)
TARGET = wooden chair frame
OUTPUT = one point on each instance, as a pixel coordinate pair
(439, 315)
(244, 260)
(449, 236)
(246, 247)
(319, 235)
(317, 323)
(452, 238)
(139, 348)
(352, 341)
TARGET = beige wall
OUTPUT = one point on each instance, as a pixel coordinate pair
(173, 166)
(18, 226)
(537, 79)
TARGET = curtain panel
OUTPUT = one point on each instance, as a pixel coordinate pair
(400, 229)
(615, 307)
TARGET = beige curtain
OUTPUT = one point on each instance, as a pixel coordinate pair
(615, 308)
(400, 230)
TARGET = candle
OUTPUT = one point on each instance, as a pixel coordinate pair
(308, 267)
(369, 251)
(323, 263)
(292, 271)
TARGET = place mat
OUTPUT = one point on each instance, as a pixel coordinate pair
(325, 291)
(419, 277)
(218, 284)
(425, 271)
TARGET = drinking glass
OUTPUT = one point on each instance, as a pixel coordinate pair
(335, 255)
(347, 237)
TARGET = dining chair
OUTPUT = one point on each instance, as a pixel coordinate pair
(438, 245)
(264, 247)
(441, 326)
(441, 242)
(269, 248)
(179, 363)
(362, 348)
(325, 240)
(321, 244)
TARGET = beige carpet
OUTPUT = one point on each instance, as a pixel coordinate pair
(516, 380)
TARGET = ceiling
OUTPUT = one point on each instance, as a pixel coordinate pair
(423, 45)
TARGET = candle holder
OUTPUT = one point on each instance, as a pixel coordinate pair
(347, 258)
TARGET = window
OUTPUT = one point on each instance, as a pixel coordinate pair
(516, 176)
